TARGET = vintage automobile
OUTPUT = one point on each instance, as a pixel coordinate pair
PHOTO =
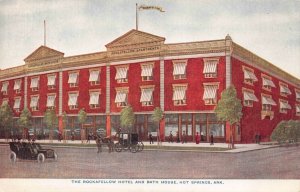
(129, 141)
(30, 151)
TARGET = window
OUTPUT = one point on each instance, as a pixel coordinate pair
(267, 103)
(179, 69)
(94, 99)
(17, 104)
(267, 83)
(284, 90)
(210, 94)
(51, 81)
(179, 94)
(249, 97)
(73, 79)
(34, 84)
(249, 76)
(210, 68)
(298, 110)
(121, 75)
(147, 72)
(51, 101)
(147, 96)
(4, 102)
(297, 95)
(4, 88)
(17, 86)
(34, 103)
(94, 77)
(73, 103)
(284, 106)
(122, 97)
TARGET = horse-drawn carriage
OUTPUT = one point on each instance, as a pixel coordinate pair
(128, 141)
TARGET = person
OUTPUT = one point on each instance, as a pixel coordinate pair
(151, 139)
(202, 136)
(89, 138)
(171, 137)
(256, 138)
(72, 136)
(59, 136)
(98, 143)
(197, 138)
(178, 138)
(211, 139)
(183, 137)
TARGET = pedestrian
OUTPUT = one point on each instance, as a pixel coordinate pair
(197, 138)
(202, 136)
(211, 139)
(183, 137)
(89, 138)
(59, 136)
(178, 138)
(171, 137)
(98, 143)
(256, 138)
(151, 139)
(72, 136)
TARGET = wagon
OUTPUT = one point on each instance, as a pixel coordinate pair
(128, 141)
(30, 151)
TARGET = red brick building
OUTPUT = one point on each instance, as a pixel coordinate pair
(139, 69)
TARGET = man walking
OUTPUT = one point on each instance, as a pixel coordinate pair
(98, 143)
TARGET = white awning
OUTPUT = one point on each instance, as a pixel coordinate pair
(249, 75)
(121, 73)
(146, 95)
(179, 69)
(72, 99)
(248, 96)
(34, 101)
(147, 71)
(17, 103)
(17, 84)
(268, 82)
(34, 82)
(285, 89)
(51, 80)
(297, 95)
(94, 98)
(120, 97)
(94, 76)
(73, 77)
(210, 92)
(179, 93)
(4, 87)
(210, 66)
(51, 100)
(268, 101)
(284, 105)
(298, 108)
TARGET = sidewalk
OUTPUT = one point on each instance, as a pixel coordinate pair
(177, 146)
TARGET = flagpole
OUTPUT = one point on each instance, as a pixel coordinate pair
(44, 33)
(136, 17)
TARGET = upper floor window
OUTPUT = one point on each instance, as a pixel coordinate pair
(249, 76)
(267, 103)
(17, 104)
(179, 94)
(249, 97)
(210, 94)
(147, 72)
(298, 110)
(297, 95)
(4, 88)
(94, 99)
(34, 103)
(210, 68)
(147, 96)
(51, 81)
(267, 83)
(179, 69)
(284, 90)
(121, 97)
(34, 84)
(94, 77)
(17, 86)
(51, 101)
(73, 101)
(284, 106)
(121, 75)
(73, 79)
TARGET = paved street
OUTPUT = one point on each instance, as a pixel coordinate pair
(273, 163)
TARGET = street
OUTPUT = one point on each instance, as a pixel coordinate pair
(273, 163)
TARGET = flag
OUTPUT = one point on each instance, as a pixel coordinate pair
(151, 7)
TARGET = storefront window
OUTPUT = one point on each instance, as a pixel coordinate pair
(217, 130)
(115, 124)
(171, 125)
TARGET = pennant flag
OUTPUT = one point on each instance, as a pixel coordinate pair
(151, 7)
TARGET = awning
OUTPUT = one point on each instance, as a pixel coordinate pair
(51, 80)
(17, 84)
(248, 96)
(179, 93)
(268, 101)
(285, 105)
(179, 69)
(34, 82)
(249, 75)
(94, 76)
(94, 98)
(268, 82)
(210, 67)
(17, 103)
(72, 99)
(120, 97)
(146, 95)
(285, 89)
(210, 92)
(73, 78)
(147, 70)
(34, 101)
(4, 87)
(298, 108)
(297, 95)
(121, 73)
(51, 100)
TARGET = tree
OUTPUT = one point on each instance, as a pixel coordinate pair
(286, 130)
(157, 117)
(82, 118)
(6, 118)
(51, 120)
(229, 108)
(293, 130)
(64, 124)
(127, 118)
(25, 120)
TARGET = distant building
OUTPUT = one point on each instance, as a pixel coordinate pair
(139, 69)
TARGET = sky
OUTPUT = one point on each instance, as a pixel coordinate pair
(268, 28)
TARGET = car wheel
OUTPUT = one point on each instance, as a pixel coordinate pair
(133, 149)
(41, 158)
(12, 157)
(118, 147)
(55, 156)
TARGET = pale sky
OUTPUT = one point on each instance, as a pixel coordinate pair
(268, 28)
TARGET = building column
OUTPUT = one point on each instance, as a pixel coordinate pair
(107, 103)
(60, 100)
(162, 83)
(25, 91)
(228, 68)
